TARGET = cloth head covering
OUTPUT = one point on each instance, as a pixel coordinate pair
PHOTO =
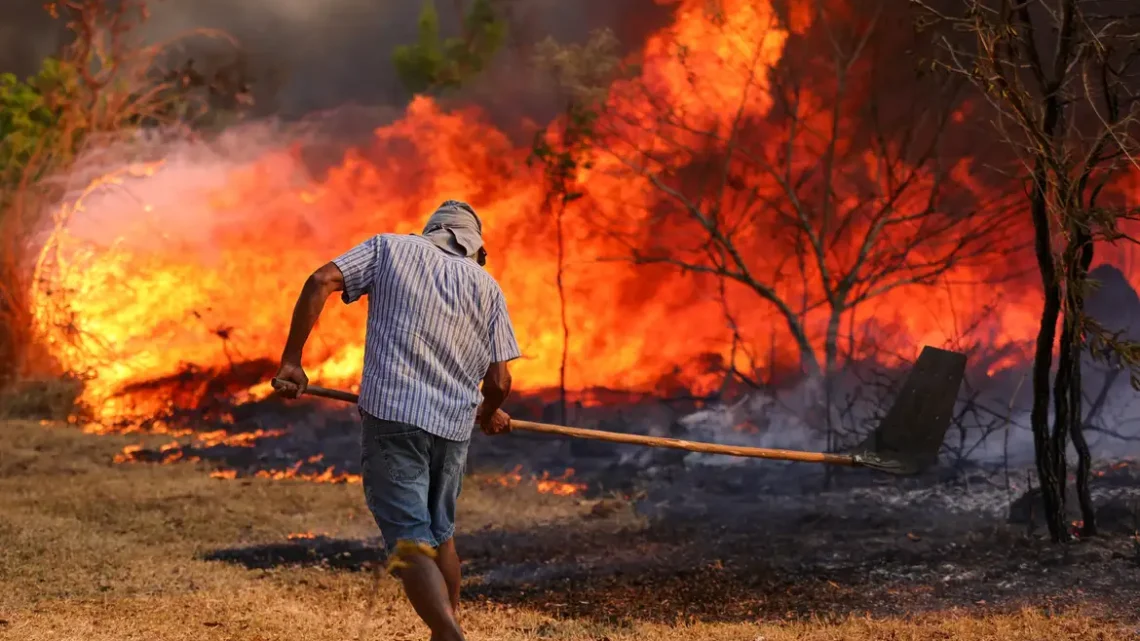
(456, 228)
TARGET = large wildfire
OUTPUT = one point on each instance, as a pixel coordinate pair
(193, 261)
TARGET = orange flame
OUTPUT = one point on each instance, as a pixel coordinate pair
(128, 453)
(559, 486)
(330, 475)
(172, 452)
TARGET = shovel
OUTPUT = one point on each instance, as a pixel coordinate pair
(906, 441)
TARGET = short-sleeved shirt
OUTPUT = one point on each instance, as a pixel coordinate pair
(436, 321)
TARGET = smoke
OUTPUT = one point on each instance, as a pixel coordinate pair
(27, 35)
(992, 422)
(305, 56)
(169, 195)
(990, 427)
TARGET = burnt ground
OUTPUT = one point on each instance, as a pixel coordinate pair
(772, 567)
(731, 542)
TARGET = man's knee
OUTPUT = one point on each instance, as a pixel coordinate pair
(446, 547)
(406, 552)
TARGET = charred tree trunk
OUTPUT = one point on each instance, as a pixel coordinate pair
(831, 357)
(1068, 361)
(1067, 420)
(1049, 450)
(831, 341)
(808, 360)
(1050, 464)
(562, 311)
(1083, 260)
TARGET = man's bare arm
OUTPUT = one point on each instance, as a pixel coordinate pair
(496, 388)
(320, 285)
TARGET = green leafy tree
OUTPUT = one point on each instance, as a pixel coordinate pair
(434, 63)
(562, 151)
(30, 114)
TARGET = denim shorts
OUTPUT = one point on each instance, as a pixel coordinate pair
(411, 481)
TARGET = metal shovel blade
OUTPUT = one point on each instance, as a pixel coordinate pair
(909, 437)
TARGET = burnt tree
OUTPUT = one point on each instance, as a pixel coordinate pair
(799, 162)
(1059, 81)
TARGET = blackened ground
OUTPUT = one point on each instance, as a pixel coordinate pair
(749, 563)
(714, 540)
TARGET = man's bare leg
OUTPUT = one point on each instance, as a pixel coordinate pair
(428, 592)
(447, 558)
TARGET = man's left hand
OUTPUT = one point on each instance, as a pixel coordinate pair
(497, 423)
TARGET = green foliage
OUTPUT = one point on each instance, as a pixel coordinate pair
(434, 64)
(584, 73)
(30, 113)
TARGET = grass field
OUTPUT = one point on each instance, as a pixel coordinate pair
(92, 550)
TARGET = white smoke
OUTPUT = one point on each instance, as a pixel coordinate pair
(991, 432)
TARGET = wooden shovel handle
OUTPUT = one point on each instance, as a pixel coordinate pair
(692, 446)
(637, 439)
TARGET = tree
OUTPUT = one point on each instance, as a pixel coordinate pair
(566, 149)
(1060, 83)
(433, 63)
(786, 163)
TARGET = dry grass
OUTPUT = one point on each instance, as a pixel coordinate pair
(49, 397)
(93, 551)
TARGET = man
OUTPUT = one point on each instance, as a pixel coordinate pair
(437, 326)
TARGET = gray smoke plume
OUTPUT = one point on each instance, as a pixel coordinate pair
(315, 56)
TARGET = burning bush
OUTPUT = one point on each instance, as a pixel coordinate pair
(101, 89)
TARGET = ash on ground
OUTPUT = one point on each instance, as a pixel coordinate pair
(730, 540)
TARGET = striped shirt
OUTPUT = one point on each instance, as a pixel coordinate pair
(436, 321)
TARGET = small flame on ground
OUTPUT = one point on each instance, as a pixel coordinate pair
(1122, 464)
(330, 475)
(160, 426)
(128, 454)
(746, 427)
(1075, 528)
(173, 451)
(559, 486)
